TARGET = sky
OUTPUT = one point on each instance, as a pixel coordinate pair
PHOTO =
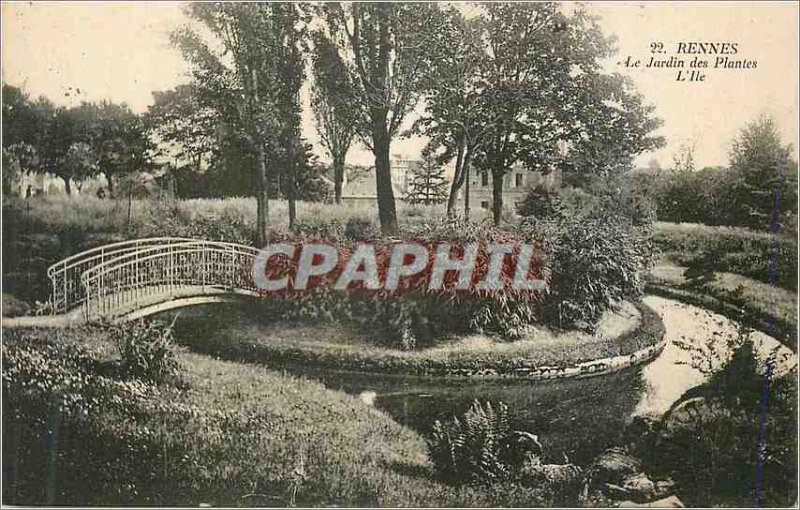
(120, 51)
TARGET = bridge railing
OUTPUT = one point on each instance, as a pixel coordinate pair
(163, 270)
(65, 275)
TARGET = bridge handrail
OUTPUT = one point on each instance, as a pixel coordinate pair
(112, 264)
(91, 274)
(97, 291)
(102, 251)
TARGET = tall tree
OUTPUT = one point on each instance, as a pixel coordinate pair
(453, 120)
(332, 99)
(120, 139)
(384, 46)
(65, 149)
(764, 174)
(24, 128)
(292, 21)
(79, 162)
(544, 88)
(178, 118)
(243, 79)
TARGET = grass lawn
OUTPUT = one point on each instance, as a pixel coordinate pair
(225, 434)
(236, 333)
(730, 249)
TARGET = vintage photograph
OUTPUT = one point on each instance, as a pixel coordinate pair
(399, 254)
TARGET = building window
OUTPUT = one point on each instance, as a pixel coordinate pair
(518, 180)
(484, 178)
(484, 204)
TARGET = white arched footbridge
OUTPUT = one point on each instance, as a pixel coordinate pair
(140, 277)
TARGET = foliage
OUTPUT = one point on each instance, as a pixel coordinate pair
(50, 370)
(757, 190)
(16, 158)
(23, 119)
(227, 224)
(14, 307)
(736, 250)
(119, 139)
(480, 447)
(767, 175)
(428, 184)
(79, 162)
(712, 438)
(453, 121)
(256, 90)
(147, 350)
(547, 102)
(540, 203)
(178, 117)
(331, 99)
(595, 262)
(419, 313)
(252, 437)
(75, 143)
(360, 229)
(384, 48)
(617, 196)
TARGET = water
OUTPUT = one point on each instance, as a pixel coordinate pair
(670, 375)
(575, 419)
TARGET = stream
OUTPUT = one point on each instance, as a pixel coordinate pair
(575, 418)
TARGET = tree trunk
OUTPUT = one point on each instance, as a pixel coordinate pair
(458, 175)
(262, 198)
(497, 195)
(338, 179)
(110, 186)
(292, 135)
(383, 178)
(291, 187)
(67, 187)
(381, 138)
(466, 193)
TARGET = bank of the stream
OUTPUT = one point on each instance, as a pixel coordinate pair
(250, 334)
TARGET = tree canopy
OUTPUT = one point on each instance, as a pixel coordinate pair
(522, 83)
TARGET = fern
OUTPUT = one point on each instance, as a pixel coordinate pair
(474, 448)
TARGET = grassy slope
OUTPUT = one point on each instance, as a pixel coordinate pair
(730, 249)
(234, 334)
(732, 295)
(231, 434)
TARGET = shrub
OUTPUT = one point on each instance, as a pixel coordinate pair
(622, 198)
(360, 229)
(710, 440)
(147, 349)
(594, 263)
(726, 196)
(480, 447)
(540, 203)
(216, 220)
(45, 369)
(729, 249)
(417, 315)
(13, 307)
